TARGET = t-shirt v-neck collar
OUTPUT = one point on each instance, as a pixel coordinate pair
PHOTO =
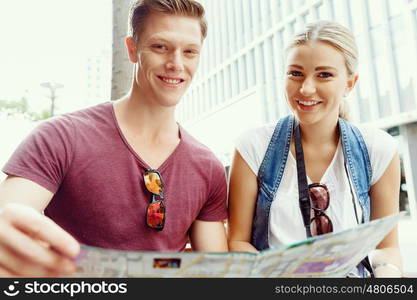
(329, 169)
(142, 162)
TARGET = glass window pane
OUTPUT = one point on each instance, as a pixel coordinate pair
(403, 50)
(381, 63)
(375, 15)
(244, 71)
(290, 7)
(222, 86)
(279, 9)
(395, 7)
(251, 68)
(235, 79)
(261, 62)
(357, 11)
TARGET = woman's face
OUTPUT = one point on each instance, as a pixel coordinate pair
(316, 81)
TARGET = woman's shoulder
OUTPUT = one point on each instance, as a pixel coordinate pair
(252, 145)
(374, 136)
(381, 149)
(263, 132)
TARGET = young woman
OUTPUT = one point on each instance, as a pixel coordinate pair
(353, 173)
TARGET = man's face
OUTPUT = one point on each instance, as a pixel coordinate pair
(168, 53)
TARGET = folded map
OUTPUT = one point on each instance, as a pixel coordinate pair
(329, 255)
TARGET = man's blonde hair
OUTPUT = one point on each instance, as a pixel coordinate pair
(141, 9)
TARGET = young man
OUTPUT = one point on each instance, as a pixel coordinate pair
(124, 174)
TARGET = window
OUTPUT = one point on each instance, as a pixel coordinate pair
(380, 57)
(270, 57)
(292, 28)
(249, 19)
(323, 11)
(375, 8)
(221, 85)
(278, 6)
(207, 94)
(364, 96)
(358, 16)
(265, 14)
(235, 78)
(241, 21)
(260, 62)
(394, 8)
(278, 53)
(243, 72)
(290, 7)
(229, 82)
(403, 53)
(251, 68)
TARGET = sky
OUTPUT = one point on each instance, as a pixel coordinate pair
(50, 41)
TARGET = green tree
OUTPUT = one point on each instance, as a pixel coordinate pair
(13, 108)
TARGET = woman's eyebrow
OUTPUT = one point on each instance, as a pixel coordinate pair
(320, 68)
(296, 66)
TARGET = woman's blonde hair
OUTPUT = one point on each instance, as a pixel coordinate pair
(337, 36)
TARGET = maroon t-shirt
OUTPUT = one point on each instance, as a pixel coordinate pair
(97, 181)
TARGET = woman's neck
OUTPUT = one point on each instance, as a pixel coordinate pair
(320, 134)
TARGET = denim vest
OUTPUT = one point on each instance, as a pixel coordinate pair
(273, 165)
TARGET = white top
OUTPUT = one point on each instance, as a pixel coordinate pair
(286, 223)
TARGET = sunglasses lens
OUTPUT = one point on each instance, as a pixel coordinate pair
(155, 215)
(153, 182)
(319, 197)
(321, 225)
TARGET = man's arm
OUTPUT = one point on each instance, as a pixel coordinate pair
(31, 244)
(19, 190)
(208, 236)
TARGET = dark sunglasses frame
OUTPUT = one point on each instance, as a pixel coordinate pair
(157, 200)
(319, 213)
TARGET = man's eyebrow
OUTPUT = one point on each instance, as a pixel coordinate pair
(157, 39)
(161, 39)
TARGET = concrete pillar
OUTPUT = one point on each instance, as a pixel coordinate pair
(121, 78)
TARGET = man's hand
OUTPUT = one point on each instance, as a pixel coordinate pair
(32, 245)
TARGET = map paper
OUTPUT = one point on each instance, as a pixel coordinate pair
(329, 255)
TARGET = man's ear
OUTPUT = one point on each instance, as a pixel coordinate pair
(132, 50)
(351, 83)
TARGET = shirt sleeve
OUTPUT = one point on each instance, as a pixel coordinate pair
(381, 147)
(215, 209)
(45, 155)
(252, 145)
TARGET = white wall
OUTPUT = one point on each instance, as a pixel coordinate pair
(218, 129)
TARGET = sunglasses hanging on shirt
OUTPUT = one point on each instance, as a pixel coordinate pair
(316, 196)
(155, 212)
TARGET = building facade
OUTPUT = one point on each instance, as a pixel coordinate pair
(240, 81)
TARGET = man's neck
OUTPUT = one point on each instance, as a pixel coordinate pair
(141, 118)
